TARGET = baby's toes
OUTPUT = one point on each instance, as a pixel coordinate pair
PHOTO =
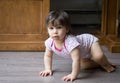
(111, 69)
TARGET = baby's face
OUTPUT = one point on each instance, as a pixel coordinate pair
(56, 32)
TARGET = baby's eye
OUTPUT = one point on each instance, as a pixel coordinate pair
(51, 28)
(59, 27)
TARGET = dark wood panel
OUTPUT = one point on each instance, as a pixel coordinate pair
(20, 17)
(22, 24)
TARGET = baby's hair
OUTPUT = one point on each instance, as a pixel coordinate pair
(61, 17)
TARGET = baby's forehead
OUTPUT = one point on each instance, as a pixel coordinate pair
(55, 23)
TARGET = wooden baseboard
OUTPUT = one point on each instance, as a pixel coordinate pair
(113, 43)
(101, 37)
(22, 42)
(22, 46)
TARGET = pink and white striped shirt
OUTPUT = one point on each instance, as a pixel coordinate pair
(83, 41)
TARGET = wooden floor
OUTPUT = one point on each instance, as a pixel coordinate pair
(24, 67)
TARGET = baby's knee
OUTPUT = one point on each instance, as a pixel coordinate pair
(84, 67)
(98, 57)
(84, 64)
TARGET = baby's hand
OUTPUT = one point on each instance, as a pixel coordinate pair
(45, 73)
(68, 78)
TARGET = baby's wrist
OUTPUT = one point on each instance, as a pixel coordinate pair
(74, 75)
(48, 69)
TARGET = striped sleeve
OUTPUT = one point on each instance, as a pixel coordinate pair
(48, 43)
(71, 43)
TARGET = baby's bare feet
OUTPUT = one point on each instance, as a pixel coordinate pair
(109, 68)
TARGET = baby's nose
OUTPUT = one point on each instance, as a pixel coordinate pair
(55, 30)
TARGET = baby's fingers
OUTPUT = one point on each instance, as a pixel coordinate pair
(50, 73)
(43, 74)
(67, 79)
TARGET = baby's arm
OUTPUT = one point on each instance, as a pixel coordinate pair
(48, 63)
(75, 55)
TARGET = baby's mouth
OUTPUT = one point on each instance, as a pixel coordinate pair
(55, 37)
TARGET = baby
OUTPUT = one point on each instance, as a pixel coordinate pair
(84, 49)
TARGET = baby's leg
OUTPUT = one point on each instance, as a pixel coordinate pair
(99, 57)
(88, 64)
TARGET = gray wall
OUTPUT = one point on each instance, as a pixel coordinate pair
(85, 14)
(76, 4)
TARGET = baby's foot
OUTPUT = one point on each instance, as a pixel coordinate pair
(109, 68)
(113, 65)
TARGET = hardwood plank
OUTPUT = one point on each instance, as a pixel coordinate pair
(24, 67)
